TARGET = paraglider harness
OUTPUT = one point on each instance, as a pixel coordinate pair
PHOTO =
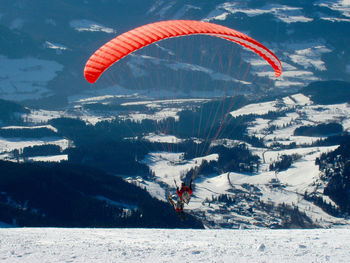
(184, 195)
(185, 192)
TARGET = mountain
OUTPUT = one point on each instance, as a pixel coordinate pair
(45, 47)
(272, 163)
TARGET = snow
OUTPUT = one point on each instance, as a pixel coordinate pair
(157, 116)
(31, 127)
(168, 166)
(173, 245)
(302, 176)
(311, 57)
(284, 13)
(346, 124)
(336, 19)
(90, 26)
(42, 116)
(298, 178)
(259, 109)
(301, 99)
(304, 171)
(227, 143)
(153, 188)
(100, 90)
(216, 15)
(94, 119)
(328, 113)
(101, 98)
(55, 46)
(162, 138)
(296, 75)
(26, 78)
(299, 61)
(160, 109)
(52, 158)
(207, 187)
(263, 108)
(157, 103)
(292, 76)
(342, 6)
(7, 145)
(304, 112)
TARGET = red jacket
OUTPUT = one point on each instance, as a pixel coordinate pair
(182, 190)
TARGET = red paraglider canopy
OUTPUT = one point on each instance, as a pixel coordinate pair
(140, 37)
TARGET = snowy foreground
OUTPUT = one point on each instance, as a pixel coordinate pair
(165, 245)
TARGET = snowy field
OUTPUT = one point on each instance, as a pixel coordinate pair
(7, 145)
(168, 166)
(88, 25)
(173, 245)
(303, 112)
(26, 78)
(286, 14)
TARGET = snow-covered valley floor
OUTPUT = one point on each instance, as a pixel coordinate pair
(173, 245)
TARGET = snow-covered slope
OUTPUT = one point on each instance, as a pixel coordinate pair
(251, 200)
(300, 111)
(250, 194)
(26, 78)
(164, 245)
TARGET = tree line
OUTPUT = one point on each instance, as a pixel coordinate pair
(69, 195)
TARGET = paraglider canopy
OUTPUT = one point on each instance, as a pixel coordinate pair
(140, 37)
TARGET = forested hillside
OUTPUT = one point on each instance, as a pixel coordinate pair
(66, 195)
(335, 168)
